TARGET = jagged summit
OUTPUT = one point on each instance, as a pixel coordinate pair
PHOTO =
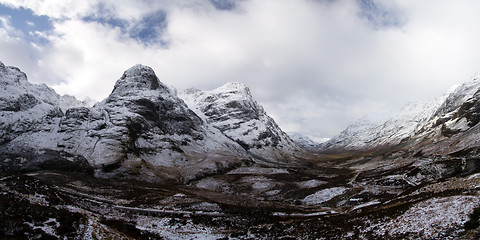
(232, 110)
(233, 86)
(12, 75)
(138, 77)
(2, 67)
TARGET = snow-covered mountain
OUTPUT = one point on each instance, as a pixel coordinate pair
(24, 106)
(232, 110)
(142, 128)
(305, 141)
(366, 134)
(454, 128)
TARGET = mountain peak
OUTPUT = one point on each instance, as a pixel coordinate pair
(2, 67)
(139, 69)
(234, 86)
(138, 77)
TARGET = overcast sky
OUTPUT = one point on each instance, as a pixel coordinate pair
(315, 65)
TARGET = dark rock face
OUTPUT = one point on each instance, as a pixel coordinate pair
(470, 110)
(21, 103)
(165, 115)
(157, 106)
(74, 117)
(239, 109)
(32, 160)
(3, 69)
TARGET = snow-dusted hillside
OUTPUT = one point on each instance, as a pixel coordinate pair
(142, 129)
(454, 129)
(368, 134)
(232, 110)
(411, 120)
(24, 106)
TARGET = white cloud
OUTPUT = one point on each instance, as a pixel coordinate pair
(55, 9)
(8, 29)
(316, 66)
(90, 57)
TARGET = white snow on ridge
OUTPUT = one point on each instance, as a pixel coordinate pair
(232, 110)
(14, 83)
(368, 133)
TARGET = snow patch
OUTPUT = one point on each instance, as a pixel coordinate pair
(310, 183)
(323, 195)
(258, 170)
(169, 229)
(432, 216)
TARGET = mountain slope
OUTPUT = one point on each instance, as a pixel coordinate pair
(24, 105)
(365, 135)
(142, 130)
(454, 129)
(232, 110)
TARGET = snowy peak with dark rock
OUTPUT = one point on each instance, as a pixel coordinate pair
(18, 94)
(454, 129)
(25, 106)
(138, 78)
(232, 110)
(141, 93)
(458, 96)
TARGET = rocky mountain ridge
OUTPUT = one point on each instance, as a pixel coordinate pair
(232, 110)
(142, 130)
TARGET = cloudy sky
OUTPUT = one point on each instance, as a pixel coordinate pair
(315, 65)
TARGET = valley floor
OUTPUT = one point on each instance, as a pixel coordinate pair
(429, 198)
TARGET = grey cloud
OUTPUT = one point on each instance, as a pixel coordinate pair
(316, 66)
